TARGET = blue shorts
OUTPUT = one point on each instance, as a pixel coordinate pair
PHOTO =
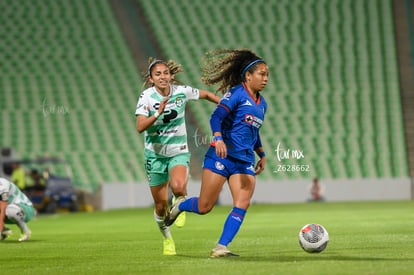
(227, 166)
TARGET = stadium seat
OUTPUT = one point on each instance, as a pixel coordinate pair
(333, 87)
(90, 74)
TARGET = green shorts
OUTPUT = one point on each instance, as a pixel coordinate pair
(29, 212)
(158, 169)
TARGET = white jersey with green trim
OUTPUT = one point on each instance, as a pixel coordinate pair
(11, 193)
(167, 137)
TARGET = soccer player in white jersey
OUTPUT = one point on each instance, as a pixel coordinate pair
(160, 113)
(15, 208)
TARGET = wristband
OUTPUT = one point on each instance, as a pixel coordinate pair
(156, 114)
(217, 138)
(262, 154)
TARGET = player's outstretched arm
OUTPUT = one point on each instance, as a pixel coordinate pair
(209, 96)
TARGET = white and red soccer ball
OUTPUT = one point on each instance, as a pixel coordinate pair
(313, 238)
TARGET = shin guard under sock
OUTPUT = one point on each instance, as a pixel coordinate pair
(232, 225)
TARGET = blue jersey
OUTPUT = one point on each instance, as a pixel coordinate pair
(240, 128)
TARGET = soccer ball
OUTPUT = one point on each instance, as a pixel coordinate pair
(313, 238)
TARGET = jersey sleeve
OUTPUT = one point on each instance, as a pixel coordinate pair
(230, 100)
(4, 189)
(142, 105)
(191, 93)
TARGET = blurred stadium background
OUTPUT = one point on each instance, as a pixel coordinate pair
(340, 91)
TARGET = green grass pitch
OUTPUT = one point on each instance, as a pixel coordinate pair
(365, 238)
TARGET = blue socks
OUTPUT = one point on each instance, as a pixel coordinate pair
(232, 225)
(190, 205)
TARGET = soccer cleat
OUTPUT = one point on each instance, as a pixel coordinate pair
(174, 212)
(221, 251)
(180, 221)
(169, 247)
(5, 233)
(25, 236)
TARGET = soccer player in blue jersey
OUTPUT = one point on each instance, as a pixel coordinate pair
(235, 125)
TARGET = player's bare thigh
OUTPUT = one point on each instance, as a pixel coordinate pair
(211, 186)
(242, 189)
(178, 180)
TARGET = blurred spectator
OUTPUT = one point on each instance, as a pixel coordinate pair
(316, 191)
(18, 176)
(36, 182)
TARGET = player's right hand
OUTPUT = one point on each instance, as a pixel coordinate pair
(163, 104)
(221, 149)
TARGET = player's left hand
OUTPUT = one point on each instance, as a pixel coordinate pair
(260, 166)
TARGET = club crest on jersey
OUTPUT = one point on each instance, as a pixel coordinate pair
(249, 119)
(5, 196)
(179, 102)
(219, 165)
(252, 120)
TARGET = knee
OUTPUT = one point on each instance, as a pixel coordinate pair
(178, 187)
(205, 208)
(242, 202)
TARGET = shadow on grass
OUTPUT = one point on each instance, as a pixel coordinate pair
(305, 258)
(314, 258)
(13, 242)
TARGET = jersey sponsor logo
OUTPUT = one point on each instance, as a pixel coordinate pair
(252, 120)
(145, 107)
(219, 165)
(169, 115)
(161, 132)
